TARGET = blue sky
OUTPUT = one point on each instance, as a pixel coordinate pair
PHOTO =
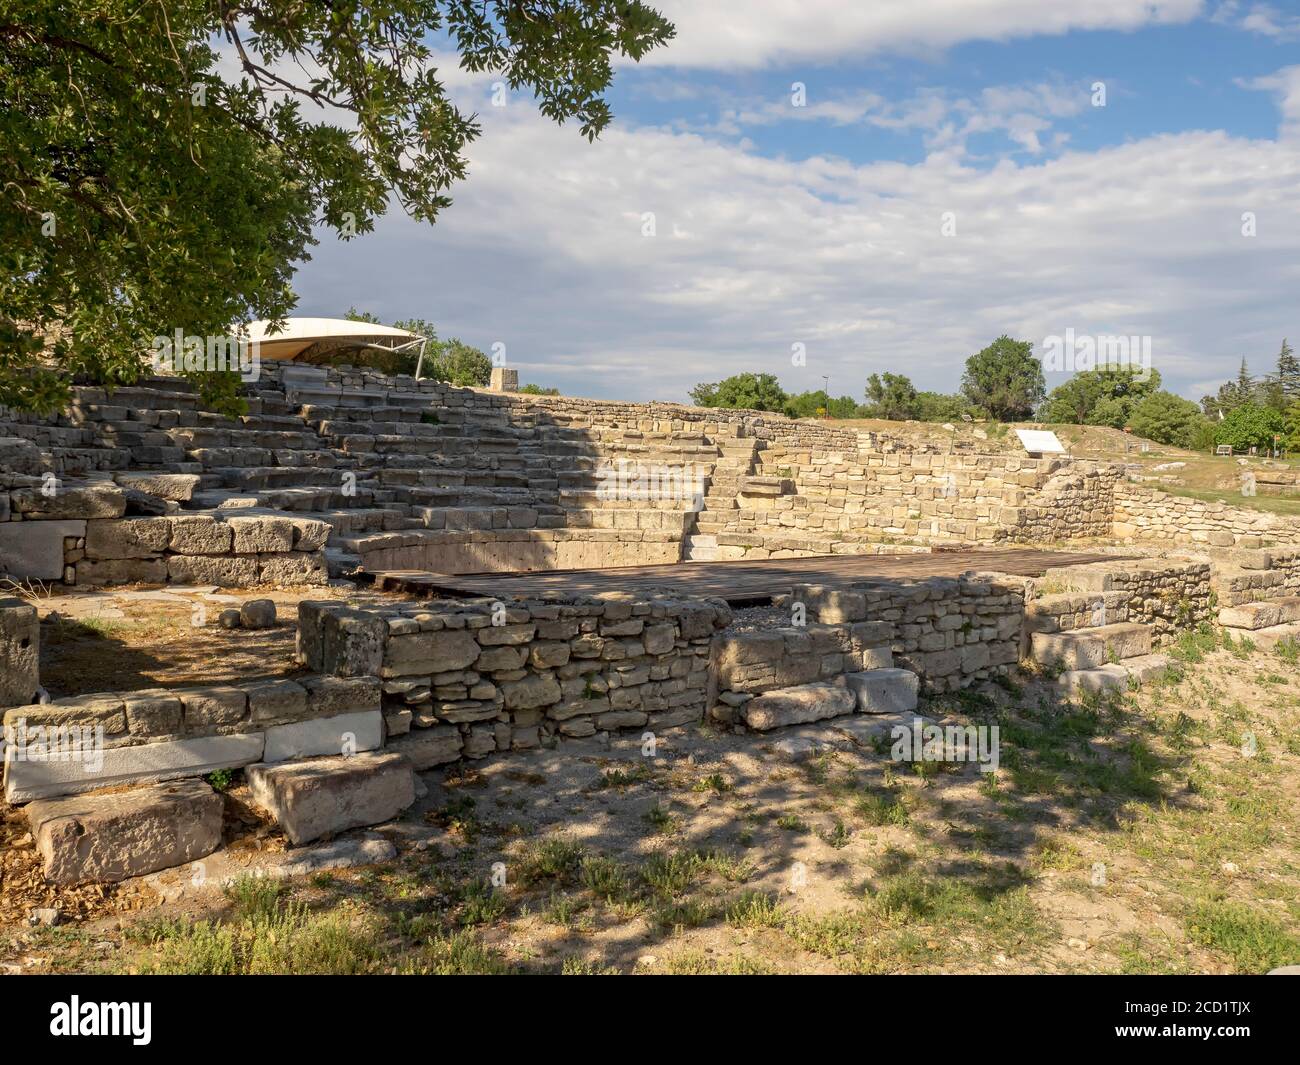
(778, 228)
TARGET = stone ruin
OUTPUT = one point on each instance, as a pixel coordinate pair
(335, 475)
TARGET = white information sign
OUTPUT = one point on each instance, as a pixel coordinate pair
(1040, 441)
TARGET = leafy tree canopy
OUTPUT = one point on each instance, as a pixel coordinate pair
(1004, 380)
(145, 192)
(744, 391)
(1165, 418)
(1078, 399)
(1250, 425)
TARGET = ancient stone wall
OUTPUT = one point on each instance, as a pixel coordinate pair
(1168, 595)
(468, 678)
(1149, 514)
(951, 631)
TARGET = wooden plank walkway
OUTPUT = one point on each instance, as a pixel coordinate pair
(740, 582)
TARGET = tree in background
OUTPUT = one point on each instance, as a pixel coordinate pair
(1004, 380)
(145, 192)
(818, 405)
(1250, 425)
(1166, 418)
(538, 390)
(891, 396)
(1100, 397)
(744, 391)
(457, 363)
(1231, 394)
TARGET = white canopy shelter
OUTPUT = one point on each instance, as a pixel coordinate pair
(310, 339)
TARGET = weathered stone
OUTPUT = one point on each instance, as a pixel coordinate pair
(168, 760)
(109, 837)
(275, 702)
(177, 487)
(71, 501)
(792, 706)
(152, 713)
(33, 550)
(341, 734)
(229, 619)
(257, 614)
(325, 796)
(204, 569)
(884, 691)
(429, 747)
(537, 689)
(214, 707)
(128, 538)
(442, 651)
(199, 535)
(255, 534)
(20, 645)
(330, 696)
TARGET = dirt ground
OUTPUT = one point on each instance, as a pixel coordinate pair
(1154, 833)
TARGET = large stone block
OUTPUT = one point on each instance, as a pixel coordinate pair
(429, 747)
(797, 705)
(33, 550)
(20, 648)
(884, 691)
(343, 733)
(214, 707)
(256, 535)
(330, 696)
(128, 538)
(169, 760)
(324, 796)
(1091, 648)
(108, 837)
(71, 501)
(420, 653)
(177, 487)
(240, 572)
(200, 535)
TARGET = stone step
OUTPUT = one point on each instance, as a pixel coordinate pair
(1085, 649)
(1262, 615)
(797, 705)
(1269, 637)
(884, 691)
(324, 796)
(107, 837)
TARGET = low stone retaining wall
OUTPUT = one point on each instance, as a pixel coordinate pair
(1148, 514)
(951, 631)
(468, 678)
(87, 742)
(491, 550)
(1167, 595)
(80, 535)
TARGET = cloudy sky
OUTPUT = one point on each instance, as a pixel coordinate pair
(882, 186)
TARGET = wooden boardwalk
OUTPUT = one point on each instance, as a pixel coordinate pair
(740, 583)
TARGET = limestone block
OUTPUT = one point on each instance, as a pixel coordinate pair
(329, 696)
(168, 760)
(213, 707)
(20, 644)
(71, 502)
(336, 735)
(200, 535)
(428, 747)
(255, 534)
(225, 572)
(324, 796)
(109, 837)
(275, 702)
(128, 538)
(33, 550)
(792, 706)
(884, 691)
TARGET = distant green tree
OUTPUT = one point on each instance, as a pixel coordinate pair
(744, 391)
(940, 407)
(538, 390)
(1250, 425)
(1076, 401)
(1164, 418)
(817, 405)
(457, 363)
(1004, 379)
(891, 396)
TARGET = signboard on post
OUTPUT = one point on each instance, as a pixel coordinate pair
(1040, 442)
(1224, 449)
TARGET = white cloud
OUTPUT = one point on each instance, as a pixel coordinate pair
(1264, 19)
(543, 251)
(1285, 85)
(735, 34)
